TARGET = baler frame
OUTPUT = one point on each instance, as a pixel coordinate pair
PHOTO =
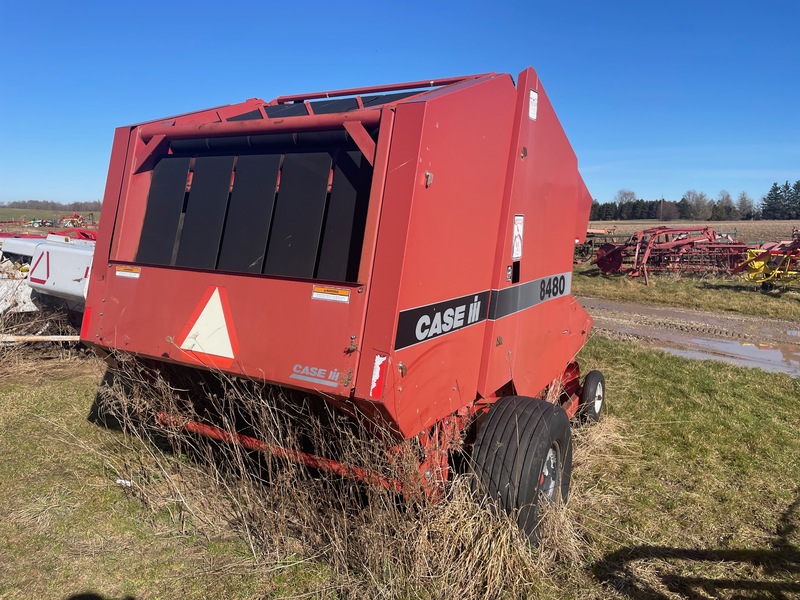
(428, 347)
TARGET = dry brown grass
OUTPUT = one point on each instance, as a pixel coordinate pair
(36, 361)
(568, 532)
(372, 541)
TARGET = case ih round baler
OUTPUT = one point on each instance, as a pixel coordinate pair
(403, 252)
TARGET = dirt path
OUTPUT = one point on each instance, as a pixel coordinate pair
(769, 344)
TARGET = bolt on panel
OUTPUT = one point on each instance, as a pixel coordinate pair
(201, 234)
(244, 242)
(164, 208)
(299, 211)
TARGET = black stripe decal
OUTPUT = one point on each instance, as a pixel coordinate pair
(417, 325)
(520, 297)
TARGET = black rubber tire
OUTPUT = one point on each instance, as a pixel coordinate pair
(509, 457)
(588, 410)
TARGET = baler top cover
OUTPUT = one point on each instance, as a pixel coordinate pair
(407, 248)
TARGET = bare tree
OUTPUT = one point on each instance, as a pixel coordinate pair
(699, 205)
(624, 195)
(724, 209)
(669, 211)
(745, 206)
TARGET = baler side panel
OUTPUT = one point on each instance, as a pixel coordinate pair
(401, 179)
(535, 331)
(582, 214)
(111, 209)
(256, 327)
(447, 262)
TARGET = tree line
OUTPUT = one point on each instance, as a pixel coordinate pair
(781, 202)
(91, 206)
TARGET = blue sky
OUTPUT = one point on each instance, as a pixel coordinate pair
(657, 97)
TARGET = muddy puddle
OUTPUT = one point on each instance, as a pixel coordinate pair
(769, 344)
(779, 358)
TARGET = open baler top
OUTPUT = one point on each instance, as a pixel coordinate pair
(364, 244)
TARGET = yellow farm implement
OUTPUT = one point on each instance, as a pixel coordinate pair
(773, 264)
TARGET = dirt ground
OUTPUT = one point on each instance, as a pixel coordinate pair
(769, 344)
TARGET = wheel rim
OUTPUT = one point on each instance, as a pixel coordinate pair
(598, 398)
(548, 479)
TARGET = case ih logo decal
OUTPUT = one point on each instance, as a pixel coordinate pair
(419, 324)
(315, 375)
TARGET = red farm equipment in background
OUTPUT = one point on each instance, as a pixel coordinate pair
(381, 248)
(697, 250)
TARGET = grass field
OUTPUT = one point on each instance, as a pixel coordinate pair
(691, 489)
(17, 214)
(746, 231)
(708, 293)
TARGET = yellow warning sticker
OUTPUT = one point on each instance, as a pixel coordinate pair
(132, 272)
(321, 292)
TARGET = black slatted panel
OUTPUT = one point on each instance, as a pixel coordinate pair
(371, 101)
(249, 214)
(347, 213)
(248, 116)
(286, 110)
(326, 107)
(205, 212)
(300, 208)
(164, 206)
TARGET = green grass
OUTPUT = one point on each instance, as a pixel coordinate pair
(68, 528)
(16, 214)
(692, 485)
(713, 474)
(711, 294)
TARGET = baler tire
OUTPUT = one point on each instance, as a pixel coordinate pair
(522, 456)
(592, 399)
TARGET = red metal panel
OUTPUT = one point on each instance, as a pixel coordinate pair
(111, 202)
(433, 246)
(376, 195)
(131, 209)
(283, 334)
(533, 345)
(384, 285)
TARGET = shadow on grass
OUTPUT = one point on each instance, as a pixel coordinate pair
(594, 272)
(744, 287)
(619, 568)
(117, 418)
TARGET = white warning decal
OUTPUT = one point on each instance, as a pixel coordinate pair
(209, 331)
(533, 105)
(516, 245)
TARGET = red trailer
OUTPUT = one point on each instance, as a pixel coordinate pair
(404, 251)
